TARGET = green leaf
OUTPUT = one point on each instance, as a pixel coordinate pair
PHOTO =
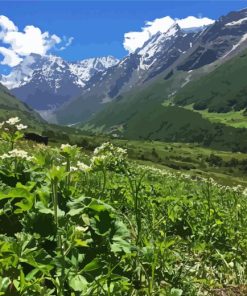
(99, 206)
(120, 239)
(81, 243)
(4, 284)
(78, 283)
(24, 205)
(93, 265)
(22, 280)
(14, 193)
(75, 212)
(176, 292)
(31, 274)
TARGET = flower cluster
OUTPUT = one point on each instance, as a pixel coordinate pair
(11, 130)
(79, 166)
(21, 127)
(69, 151)
(17, 153)
(104, 157)
(13, 120)
(12, 123)
(65, 147)
(83, 167)
(109, 157)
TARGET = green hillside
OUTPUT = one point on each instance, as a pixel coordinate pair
(221, 91)
(125, 108)
(151, 114)
(11, 107)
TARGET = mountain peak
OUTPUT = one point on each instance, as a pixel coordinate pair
(46, 82)
(173, 30)
(50, 67)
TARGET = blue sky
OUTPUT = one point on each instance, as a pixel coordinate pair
(98, 27)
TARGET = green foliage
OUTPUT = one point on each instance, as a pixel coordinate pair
(72, 224)
(203, 111)
(221, 91)
(12, 107)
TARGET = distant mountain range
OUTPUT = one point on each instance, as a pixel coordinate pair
(186, 101)
(135, 70)
(163, 54)
(51, 85)
(46, 82)
(156, 92)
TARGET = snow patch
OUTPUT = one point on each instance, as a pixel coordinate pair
(236, 23)
(244, 38)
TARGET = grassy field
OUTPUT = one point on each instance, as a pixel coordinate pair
(235, 119)
(77, 223)
(226, 167)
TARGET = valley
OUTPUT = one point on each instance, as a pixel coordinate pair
(133, 179)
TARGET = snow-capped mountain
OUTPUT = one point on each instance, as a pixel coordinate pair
(156, 55)
(162, 50)
(78, 90)
(225, 38)
(46, 82)
(184, 47)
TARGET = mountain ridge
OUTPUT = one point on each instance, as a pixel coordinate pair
(163, 54)
(45, 82)
(135, 69)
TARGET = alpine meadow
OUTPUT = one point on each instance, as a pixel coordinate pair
(123, 148)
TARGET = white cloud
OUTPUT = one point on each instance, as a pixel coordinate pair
(194, 22)
(20, 44)
(68, 42)
(134, 40)
(32, 40)
(6, 24)
(10, 57)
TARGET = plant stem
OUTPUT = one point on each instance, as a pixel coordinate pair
(59, 239)
(55, 201)
(104, 181)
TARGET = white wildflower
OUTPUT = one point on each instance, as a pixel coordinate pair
(64, 146)
(21, 127)
(237, 188)
(67, 147)
(121, 151)
(73, 169)
(83, 167)
(245, 192)
(13, 120)
(17, 153)
(100, 160)
(4, 156)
